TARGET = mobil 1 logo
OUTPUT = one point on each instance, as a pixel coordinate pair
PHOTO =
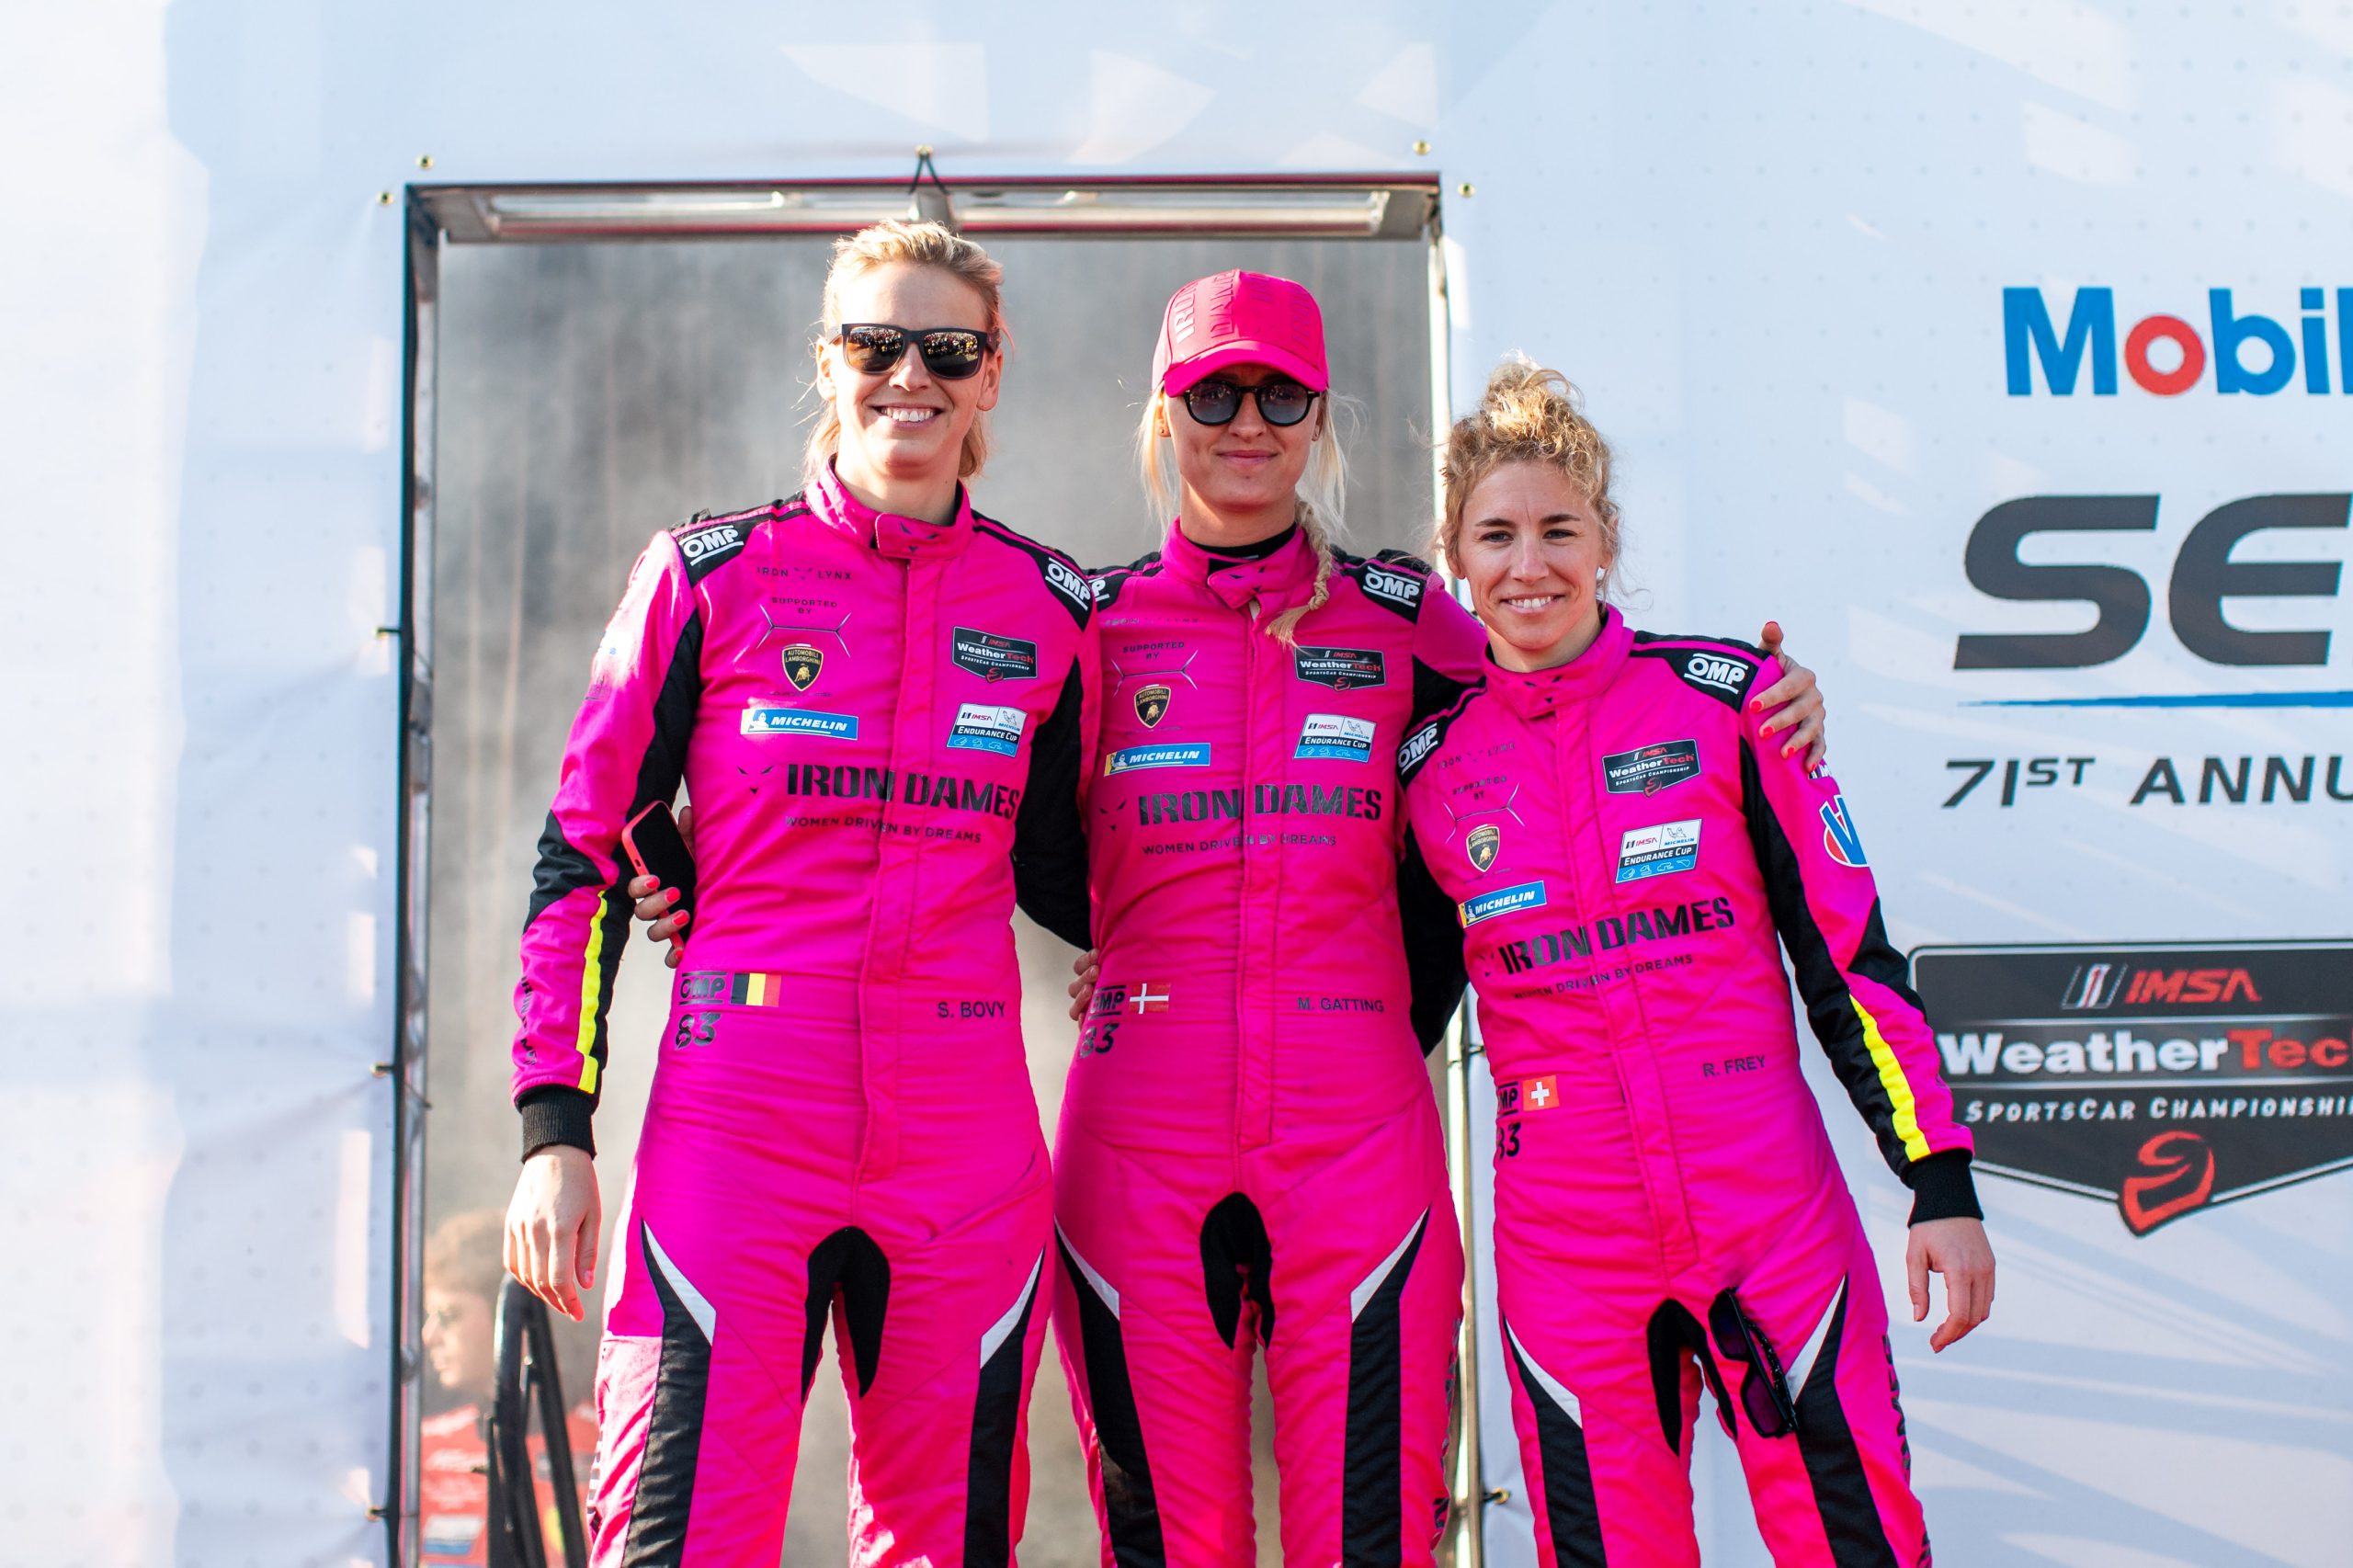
(2162, 1078)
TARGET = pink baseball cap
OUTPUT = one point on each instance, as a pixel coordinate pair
(1239, 318)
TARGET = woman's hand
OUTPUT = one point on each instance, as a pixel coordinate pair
(1799, 701)
(1958, 1250)
(1089, 967)
(653, 900)
(552, 1227)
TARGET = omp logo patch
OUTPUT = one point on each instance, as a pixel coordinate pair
(1336, 737)
(994, 658)
(1658, 851)
(1418, 745)
(1503, 900)
(706, 545)
(1069, 584)
(772, 719)
(981, 726)
(1714, 669)
(1400, 591)
(1136, 759)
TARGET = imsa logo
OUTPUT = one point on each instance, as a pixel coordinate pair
(1486, 842)
(801, 665)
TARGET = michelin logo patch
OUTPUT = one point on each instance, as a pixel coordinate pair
(773, 718)
(1648, 770)
(996, 658)
(1336, 737)
(982, 727)
(1658, 851)
(1135, 759)
(1503, 900)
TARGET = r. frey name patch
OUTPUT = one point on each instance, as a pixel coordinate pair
(994, 658)
(1655, 851)
(771, 719)
(981, 726)
(1337, 737)
(1649, 769)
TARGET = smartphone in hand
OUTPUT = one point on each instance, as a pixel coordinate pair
(656, 850)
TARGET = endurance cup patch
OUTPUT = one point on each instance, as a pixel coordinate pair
(1342, 669)
(774, 719)
(1135, 759)
(1503, 900)
(1658, 851)
(1649, 769)
(981, 726)
(1336, 737)
(994, 658)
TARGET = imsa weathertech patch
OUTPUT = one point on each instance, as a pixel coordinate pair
(996, 658)
(1342, 669)
(2162, 1078)
(1648, 769)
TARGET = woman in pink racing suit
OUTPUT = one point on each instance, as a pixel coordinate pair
(1249, 1149)
(1628, 859)
(877, 701)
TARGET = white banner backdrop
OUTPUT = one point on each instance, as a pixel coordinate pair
(1774, 244)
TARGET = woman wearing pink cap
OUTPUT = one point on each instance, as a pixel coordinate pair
(1249, 1148)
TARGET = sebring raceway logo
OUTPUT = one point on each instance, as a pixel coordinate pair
(2162, 1079)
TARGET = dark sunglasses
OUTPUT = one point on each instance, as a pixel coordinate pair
(1764, 1395)
(1280, 403)
(951, 353)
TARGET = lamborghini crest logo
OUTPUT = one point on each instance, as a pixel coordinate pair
(1152, 705)
(801, 663)
(1486, 841)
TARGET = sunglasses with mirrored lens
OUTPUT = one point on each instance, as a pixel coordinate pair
(951, 353)
(1764, 1396)
(1280, 403)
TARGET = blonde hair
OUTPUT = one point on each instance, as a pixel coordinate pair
(917, 245)
(1321, 495)
(1528, 414)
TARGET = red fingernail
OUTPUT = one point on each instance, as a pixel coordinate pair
(674, 895)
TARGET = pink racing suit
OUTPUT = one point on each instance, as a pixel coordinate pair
(881, 722)
(1249, 1147)
(1623, 852)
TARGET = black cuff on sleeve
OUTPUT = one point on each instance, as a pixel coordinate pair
(1942, 1187)
(554, 1114)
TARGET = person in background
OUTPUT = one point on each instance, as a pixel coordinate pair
(1629, 856)
(876, 696)
(463, 1274)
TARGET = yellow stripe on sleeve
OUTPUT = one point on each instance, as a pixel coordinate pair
(592, 975)
(1892, 1079)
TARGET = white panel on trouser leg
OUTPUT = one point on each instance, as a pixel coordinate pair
(1371, 1283)
(698, 1305)
(1553, 1389)
(1803, 1362)
(1102, 1286)
(998, 1330)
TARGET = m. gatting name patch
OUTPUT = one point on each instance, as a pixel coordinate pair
(1658, 851)
(1336, 737)
(982, 726)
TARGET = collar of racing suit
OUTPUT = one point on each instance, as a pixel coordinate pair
(1532, 694)
(1278, 581)
(890, 534)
